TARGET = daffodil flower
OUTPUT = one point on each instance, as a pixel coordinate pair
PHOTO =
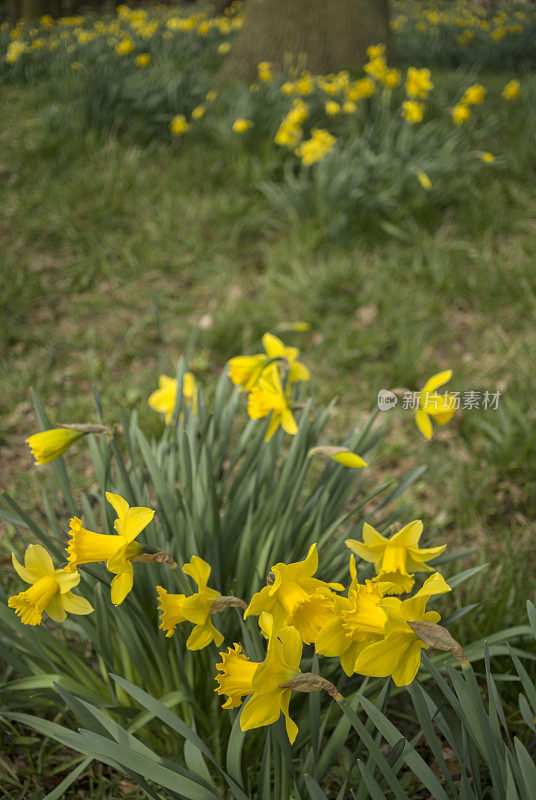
(245, 371)
(432, 405)
(342, 455)
(163, 399)
(268, 396)
(196, 608)
(358, 621)
(296, 598)
(49, 445)
(269, 696)
(398, 654)
(396, 559)
(87, 547)
(50, 589)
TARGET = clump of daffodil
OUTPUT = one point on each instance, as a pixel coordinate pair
(431, 405)
(268, 397)
(50, 589)
(245, 371)
(163, 399)
(317, 147)
(118, 550)
(196, 608)
(398, 654)
(295, 598)
(49, 445)
(398, 558)
(358, 620)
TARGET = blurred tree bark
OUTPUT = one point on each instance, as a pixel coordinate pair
(333, 34)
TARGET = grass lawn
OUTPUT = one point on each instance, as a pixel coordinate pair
(113, 253)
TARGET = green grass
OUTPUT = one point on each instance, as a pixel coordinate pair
(112, 253)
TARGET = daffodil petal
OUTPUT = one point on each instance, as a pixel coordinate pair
(423, 423)
(66, 580)
(27, 575)
(135, 520)
(292, 728)
(273, 346)
(75, 604)
(198, 570)
(261, 709)
(437, 380)
(121, 585)
(119, 505)
(55, 609)
(38, 560)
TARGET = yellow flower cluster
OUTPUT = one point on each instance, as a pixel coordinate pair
(468, 18)
(368, 629)
(123, 34)
(317, 147)
(260, 376)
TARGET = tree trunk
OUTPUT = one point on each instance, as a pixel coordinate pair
(328, 35)
(13, 11)
(32, 9)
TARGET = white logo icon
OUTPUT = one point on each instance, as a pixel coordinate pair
(386, 400)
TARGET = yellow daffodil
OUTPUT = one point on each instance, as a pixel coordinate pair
(87, 547)
(296, 598)
(264, 71)
(179, 125)
(245, 371)
(242, 125)
(412, 111)
(375, 51)
(317, 147)
(49, 445)
(143, 60)
(418, 83)
(198, 112)
(474, 95)
(236, 679)
(349, 107)
(398, 654)
(332, 108)
(270, 697)
(196, 608)
(431, 405)
(511, 90)
(125, 47)
(267, 396)
(460, 114)
(342, 455)
(395, 559)
(163, 399)
(358, 621)
(50, 589)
